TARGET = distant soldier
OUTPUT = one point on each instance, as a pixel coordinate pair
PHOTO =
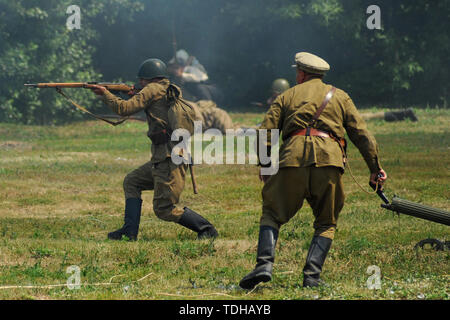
(278, 87)
(313, 118)
(213, 117)
(191, 76)
(391, 116)
(160, 173)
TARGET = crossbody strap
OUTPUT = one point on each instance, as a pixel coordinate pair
(322, 107)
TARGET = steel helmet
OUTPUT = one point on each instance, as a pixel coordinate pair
(152, 68)
(280, 85)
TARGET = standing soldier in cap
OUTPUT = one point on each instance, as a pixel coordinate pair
(313, 118)
(160, 173)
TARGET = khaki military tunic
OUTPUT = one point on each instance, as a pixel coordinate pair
(159, 174)
(213, 116)
(311, 167)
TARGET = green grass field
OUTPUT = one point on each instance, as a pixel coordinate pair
(61, 193)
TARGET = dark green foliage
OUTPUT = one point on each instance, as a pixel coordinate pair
(243, 45)
(36, 46)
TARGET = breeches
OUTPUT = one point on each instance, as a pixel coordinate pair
(167, 181)
(283, 195)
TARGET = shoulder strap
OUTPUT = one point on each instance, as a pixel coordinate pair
(172, 93)
(322, 107)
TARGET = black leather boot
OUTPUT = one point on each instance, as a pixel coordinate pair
(195, 222)
(264, 259)
(131, 221)
(317, 253)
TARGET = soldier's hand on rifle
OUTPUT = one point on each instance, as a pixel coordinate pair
(133, 91)
(98, 90)
(381, 177)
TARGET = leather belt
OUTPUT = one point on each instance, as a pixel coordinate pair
(316, 133)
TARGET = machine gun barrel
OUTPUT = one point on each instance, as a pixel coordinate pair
(413, 209)
(418, 210)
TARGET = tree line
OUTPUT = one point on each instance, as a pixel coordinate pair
(244, 45)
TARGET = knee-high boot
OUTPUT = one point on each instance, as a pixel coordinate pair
(195, 222)
(315, 259)
(132, 219)
(264, 260)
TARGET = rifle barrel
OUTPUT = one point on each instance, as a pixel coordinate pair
(258, 104)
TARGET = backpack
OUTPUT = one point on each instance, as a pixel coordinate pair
(181, 113)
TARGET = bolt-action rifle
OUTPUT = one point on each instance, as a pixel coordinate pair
(115, 88)
(88, 85)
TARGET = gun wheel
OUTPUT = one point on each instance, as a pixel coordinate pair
(434, 244)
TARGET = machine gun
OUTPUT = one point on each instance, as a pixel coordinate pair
(416, 210)
(410, 208)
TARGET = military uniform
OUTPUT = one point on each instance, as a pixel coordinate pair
(160, 173)
(213, 116)
(321, 156)
(310, 165)
(280, 85)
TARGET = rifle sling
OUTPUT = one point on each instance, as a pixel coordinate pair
(76, 105)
